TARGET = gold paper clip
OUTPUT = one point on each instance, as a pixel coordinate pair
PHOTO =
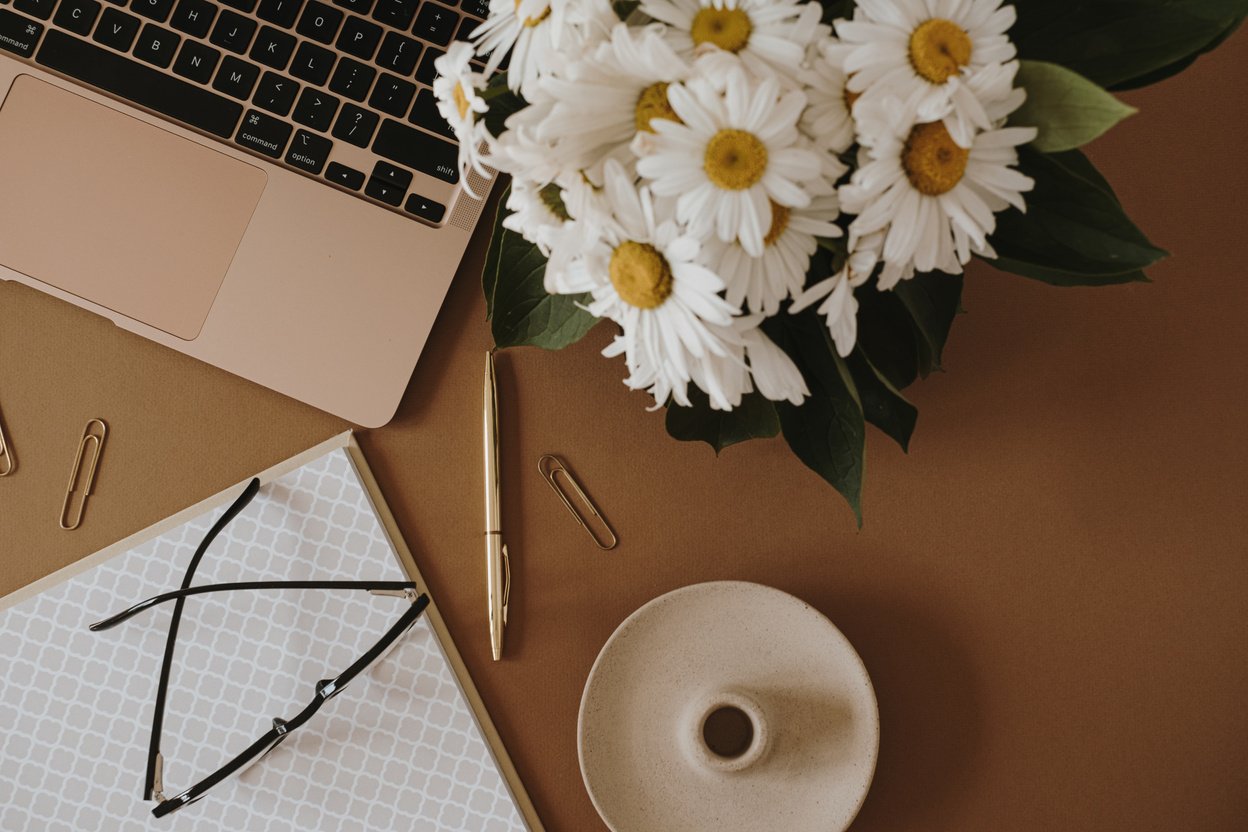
(551, 467)
(8, 462)
(93, 435)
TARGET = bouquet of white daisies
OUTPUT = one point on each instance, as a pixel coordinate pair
(773, 200)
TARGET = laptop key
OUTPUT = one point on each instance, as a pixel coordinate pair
(399, 54)
(196, 62)
(117, 29)
(18, 34)
(436, 24)
(320, 22)
(276, 93)
(233, 32)
(425, 208)
(194, 17)
(344, 176)
(357, 6)
(236, 78)
(131, 80)
(352, 79)
(355, 125)
(413, 149)
(41, 9)
(384, 191)
(156, 45)
(264, 134)
(316, 109)
(359, 38)
(392, 95)
(476, 8)
(281, 12)
(427, 71)
(313, 64)
(396, 177)
(78, 16)
(157, 10)
(308, 151)
(426, 115)
(247, 6)
(396, 13)
(273, 48)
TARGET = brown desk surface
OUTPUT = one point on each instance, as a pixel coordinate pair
(1049, 592)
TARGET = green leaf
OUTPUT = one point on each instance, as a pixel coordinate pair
(754, 418)
(933, 299)
(828, 431)
(520, 311)
(882, 404)
(887, 335)
(1182, 64)
(502, 103)
(1068, 109)
(1118, 42)
(1075, 232)
(625, 8)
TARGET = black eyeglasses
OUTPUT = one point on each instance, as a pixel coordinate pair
(326, 689)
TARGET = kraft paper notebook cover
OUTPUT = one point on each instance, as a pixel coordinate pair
(407, 747)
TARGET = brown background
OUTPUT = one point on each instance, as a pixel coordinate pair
(1049, 592)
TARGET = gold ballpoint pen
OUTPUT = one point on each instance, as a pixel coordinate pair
(497, 564)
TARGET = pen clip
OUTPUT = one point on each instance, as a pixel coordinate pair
(506, 583)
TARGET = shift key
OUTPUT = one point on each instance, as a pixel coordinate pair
(418, 150)
(18, 34)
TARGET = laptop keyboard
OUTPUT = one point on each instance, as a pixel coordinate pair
(293, 81)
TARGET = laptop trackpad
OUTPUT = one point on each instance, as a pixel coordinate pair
(116, 211)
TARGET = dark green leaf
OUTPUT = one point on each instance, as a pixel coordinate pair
(754, 418)
(502, 103)
(1075, 232)
(520, 311)
(827, 432)
(1116, 42)
(886, 334)
(882, 404)
(1180, 65)
(625, 8)
(933, 299)
(1068, 110)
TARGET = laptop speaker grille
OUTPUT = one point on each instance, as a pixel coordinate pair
(467, 209)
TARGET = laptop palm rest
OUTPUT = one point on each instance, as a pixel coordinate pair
(116, 211)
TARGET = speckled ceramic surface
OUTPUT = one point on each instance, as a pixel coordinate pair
(728, 641)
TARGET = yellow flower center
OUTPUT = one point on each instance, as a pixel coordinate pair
(735, 160)
(640, 274)
(461, 101)
(530, 22)
(729, 29)
(552, 197)
(779, 223)
(933, 162)
(652, 104)
(938, 49)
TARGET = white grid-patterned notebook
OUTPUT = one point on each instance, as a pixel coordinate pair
(399, 749)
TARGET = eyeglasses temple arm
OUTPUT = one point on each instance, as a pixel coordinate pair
(154, 758)
(389, 587)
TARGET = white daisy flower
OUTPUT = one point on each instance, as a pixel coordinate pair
(758, 363)
(530, 30)
(456, 88)
(642, 272)
(840, 307)
(769, 36)
(603, 100)
(733, 156)
(925, 53)
(537, 211)
(762, 283)
(828, 120)
(934, 199)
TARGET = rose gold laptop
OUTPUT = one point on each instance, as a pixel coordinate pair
(265, 185)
